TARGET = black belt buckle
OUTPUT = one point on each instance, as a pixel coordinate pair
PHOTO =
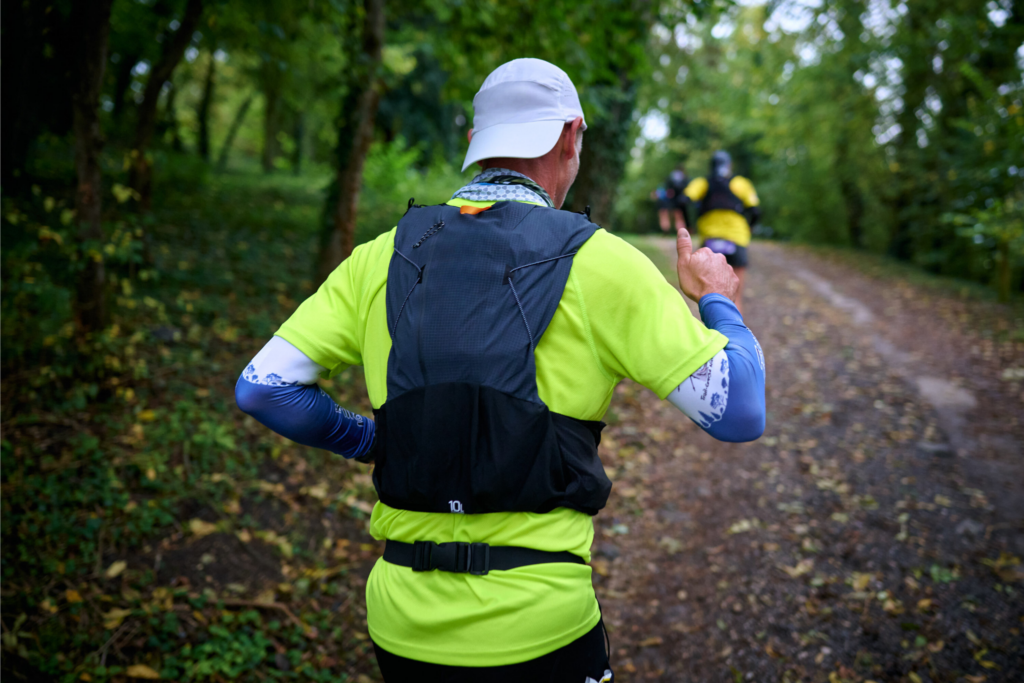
(422, 550)
(480, 555)
(457, 557)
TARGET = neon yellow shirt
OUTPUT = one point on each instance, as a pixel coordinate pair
(721, 223)
(617, 318)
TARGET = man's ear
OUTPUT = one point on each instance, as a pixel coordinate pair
(569, 137)
(469, 135)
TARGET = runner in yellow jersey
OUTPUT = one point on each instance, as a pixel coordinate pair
(492, 330)
(728, 209)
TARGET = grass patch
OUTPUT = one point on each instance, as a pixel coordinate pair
(882, 267)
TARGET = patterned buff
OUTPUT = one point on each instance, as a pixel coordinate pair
(503, 185)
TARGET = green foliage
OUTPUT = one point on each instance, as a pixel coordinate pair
(116, 445)
(998, 229)
(228, 653)
(392, 177)
(858, 125)
(41, 261)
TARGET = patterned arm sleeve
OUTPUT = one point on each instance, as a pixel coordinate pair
(279, 389)
(725, 396)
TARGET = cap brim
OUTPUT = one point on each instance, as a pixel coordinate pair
(513, 140)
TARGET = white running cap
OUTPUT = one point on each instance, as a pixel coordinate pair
(520, 111)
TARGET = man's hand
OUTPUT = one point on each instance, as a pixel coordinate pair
(703, 271)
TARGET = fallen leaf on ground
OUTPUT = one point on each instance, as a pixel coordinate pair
(142, 671)
(893, 606)
(743, 525)
(861, 580)
(670, 545)
(115, 569)
(114, 617)
(802, 567)
(201, 528)
(318, 491)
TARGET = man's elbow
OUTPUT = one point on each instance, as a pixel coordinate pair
(743, 427)
(247, 396)
(753, 427)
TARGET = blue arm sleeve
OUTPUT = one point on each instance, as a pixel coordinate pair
(744, 416)
(305, 414)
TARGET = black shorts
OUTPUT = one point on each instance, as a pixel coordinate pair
(735, 255)
(583, 659)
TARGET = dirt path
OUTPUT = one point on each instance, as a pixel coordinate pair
(871, 534)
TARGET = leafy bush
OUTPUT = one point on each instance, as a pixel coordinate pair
(122, 444)
(43, 359)
(392, 176)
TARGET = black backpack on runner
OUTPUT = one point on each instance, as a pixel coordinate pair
(720, 197)
(463, 429)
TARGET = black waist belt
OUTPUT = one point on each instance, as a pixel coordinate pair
(468, 558)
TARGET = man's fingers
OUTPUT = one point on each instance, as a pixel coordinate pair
(684, 245)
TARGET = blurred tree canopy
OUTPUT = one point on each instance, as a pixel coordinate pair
(318, 82)
(118, 111)
(862, 123)
(889, 126)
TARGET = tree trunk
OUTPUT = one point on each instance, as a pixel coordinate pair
(222, 162)
(271, 115)
(606, 143)
(299, 132)
(852, 198)
(917, 75)
(203, 114)
(1004, 270)
(93, 22)
(355, 133)
(141, 178)
(40, 54)
(170, 119)
(122, 80)
(605, 146)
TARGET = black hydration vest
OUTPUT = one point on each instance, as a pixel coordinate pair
(463, 429)
(720, 197)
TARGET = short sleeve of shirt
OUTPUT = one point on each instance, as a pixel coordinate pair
(331, 325)
(641, 327)
(696, 190)
(744, 189)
